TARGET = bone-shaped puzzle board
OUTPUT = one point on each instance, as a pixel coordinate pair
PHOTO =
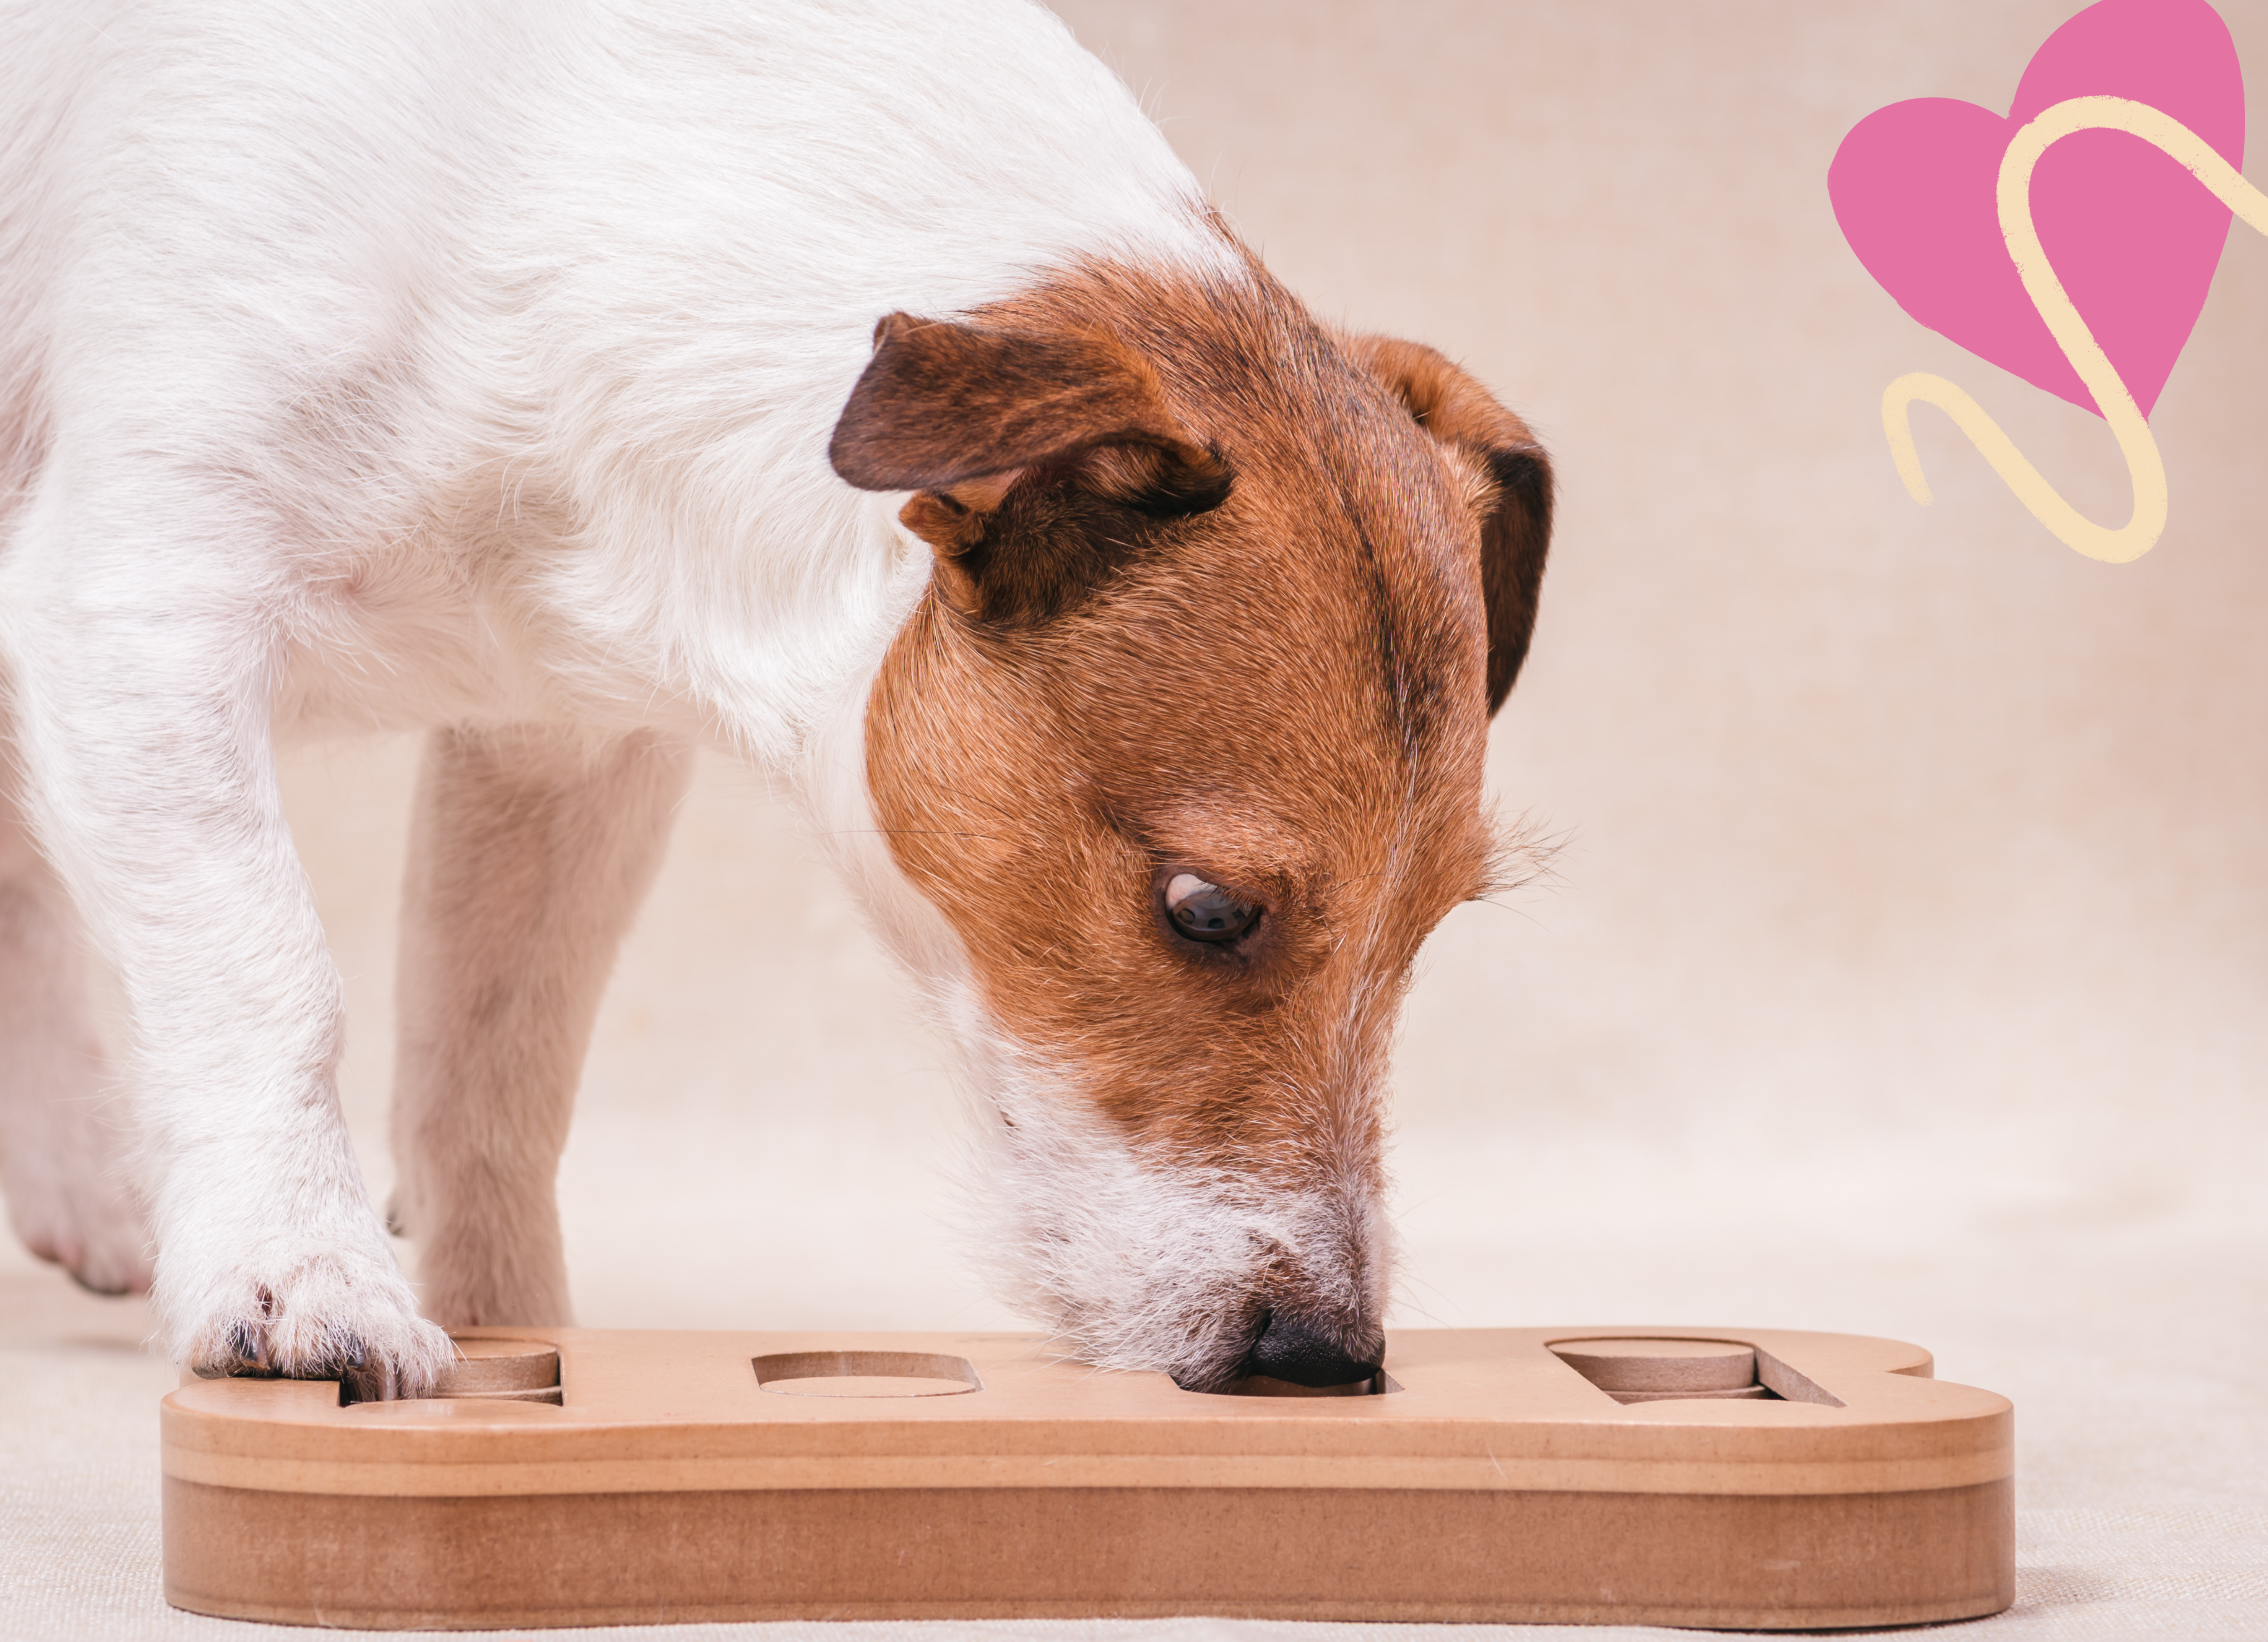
(1731, 1478)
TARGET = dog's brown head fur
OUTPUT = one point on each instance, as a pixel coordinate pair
(1221, 600)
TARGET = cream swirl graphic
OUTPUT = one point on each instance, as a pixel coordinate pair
(2145, 469)
(2068, 242)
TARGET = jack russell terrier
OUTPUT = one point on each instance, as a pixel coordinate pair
(861, 386)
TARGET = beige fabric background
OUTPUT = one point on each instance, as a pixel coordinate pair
(1903, 972)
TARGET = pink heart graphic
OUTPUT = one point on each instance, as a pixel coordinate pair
(2133, 237)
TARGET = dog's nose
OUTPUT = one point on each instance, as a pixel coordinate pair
(1289, 1349)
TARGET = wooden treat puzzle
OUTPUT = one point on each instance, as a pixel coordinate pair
(1733, 1478)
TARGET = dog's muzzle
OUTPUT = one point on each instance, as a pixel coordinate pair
(1290, 1349)
(1303, 1353)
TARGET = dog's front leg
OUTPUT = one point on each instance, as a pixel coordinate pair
(66, 1152)
(529, 855)
(142, 705)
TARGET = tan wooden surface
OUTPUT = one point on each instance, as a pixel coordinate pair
(1497, 1482)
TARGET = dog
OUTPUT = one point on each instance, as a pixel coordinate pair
(863, 387)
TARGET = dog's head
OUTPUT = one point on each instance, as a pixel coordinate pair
(1185, 744)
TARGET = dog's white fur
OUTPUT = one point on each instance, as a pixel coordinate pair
(1142, 1262)
(466, 365)
(65, 1137)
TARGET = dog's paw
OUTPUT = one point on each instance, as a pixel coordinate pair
(321, 1315)
(80, 1211)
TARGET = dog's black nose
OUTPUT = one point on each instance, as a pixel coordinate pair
(1289, 1349)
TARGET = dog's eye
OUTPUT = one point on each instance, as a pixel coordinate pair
(1205, 912)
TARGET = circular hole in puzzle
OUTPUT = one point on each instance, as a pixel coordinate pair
(1650, 1369)
(867, 1374)
(485, 1370)
(526, 1371)
(475, 1411)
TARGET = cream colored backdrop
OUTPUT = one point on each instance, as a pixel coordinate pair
(1908, 950)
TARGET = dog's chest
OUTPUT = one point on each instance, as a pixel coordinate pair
(635, 619)
(432, 623)
(401, 644)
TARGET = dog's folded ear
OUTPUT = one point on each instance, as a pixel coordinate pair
(1009, 439)
(1516, 511)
